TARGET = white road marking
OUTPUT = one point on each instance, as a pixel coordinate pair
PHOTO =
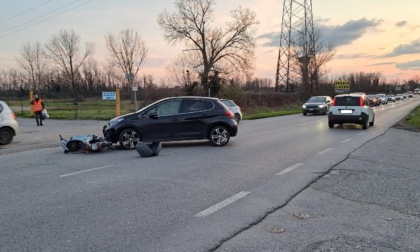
(222, 204)
(89, 170)
(324, 151)
(346, 140)
(289, 169)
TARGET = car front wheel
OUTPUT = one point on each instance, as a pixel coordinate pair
(129, 138)
(6, 136)
(219, 135)
(330, 124)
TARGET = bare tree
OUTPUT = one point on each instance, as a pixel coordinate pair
(32, 61)
(128, 52)
(311, 67)
(65, 50)
(222, 50)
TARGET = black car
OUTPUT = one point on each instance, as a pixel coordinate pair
(317, 105)
(173, 119)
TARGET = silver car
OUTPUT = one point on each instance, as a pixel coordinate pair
(9, 127)
(234, 108)
(383, 99)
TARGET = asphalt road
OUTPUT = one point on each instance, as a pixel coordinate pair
(283, 184)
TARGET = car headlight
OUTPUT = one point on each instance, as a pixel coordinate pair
(114, 122)
(303, 106)
(321, 106)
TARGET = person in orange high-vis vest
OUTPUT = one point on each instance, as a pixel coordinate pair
(37, 107)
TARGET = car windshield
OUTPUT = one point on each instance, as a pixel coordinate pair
(228, 103)
(316, 99)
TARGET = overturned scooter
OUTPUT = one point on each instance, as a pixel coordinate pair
(84, 143)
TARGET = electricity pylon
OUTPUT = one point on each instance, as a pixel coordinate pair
(297, 44)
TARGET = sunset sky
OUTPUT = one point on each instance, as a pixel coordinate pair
(369, 35)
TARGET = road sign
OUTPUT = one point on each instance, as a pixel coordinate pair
(109, 96)
(129, 76)
(342, 86)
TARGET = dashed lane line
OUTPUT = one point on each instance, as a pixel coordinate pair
(324, 151)
(222, 204)
(89, 170)
(289, 169)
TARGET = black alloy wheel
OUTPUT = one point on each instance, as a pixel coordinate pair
(129, 138)
(219, 135)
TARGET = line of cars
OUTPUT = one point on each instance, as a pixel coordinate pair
(400, 96)
(355, 108)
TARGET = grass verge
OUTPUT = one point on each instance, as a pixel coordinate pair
(411, 122)
(260, 113)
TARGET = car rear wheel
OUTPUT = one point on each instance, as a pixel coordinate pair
(365, 123)
(219, 135)
(372, 122)
(129, 138)
(237, 118)
(6, 136)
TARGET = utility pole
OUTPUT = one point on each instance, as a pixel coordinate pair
(297, 44)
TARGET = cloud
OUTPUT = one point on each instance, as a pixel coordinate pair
(382, 63)
(345, 34)
(412, 48)
(410, 65)
(272, 37)
(352, 56)
(337, 35)
(401, 23)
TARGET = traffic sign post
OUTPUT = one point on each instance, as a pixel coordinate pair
(342, 86)
(135, 89)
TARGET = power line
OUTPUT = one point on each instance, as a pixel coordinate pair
(20, 14)
(19, 27)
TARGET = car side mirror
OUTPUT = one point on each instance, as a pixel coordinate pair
(153, 115)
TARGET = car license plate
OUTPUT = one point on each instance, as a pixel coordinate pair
(346, 111)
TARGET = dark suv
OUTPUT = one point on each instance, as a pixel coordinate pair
(351, 108)
(173, 119)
